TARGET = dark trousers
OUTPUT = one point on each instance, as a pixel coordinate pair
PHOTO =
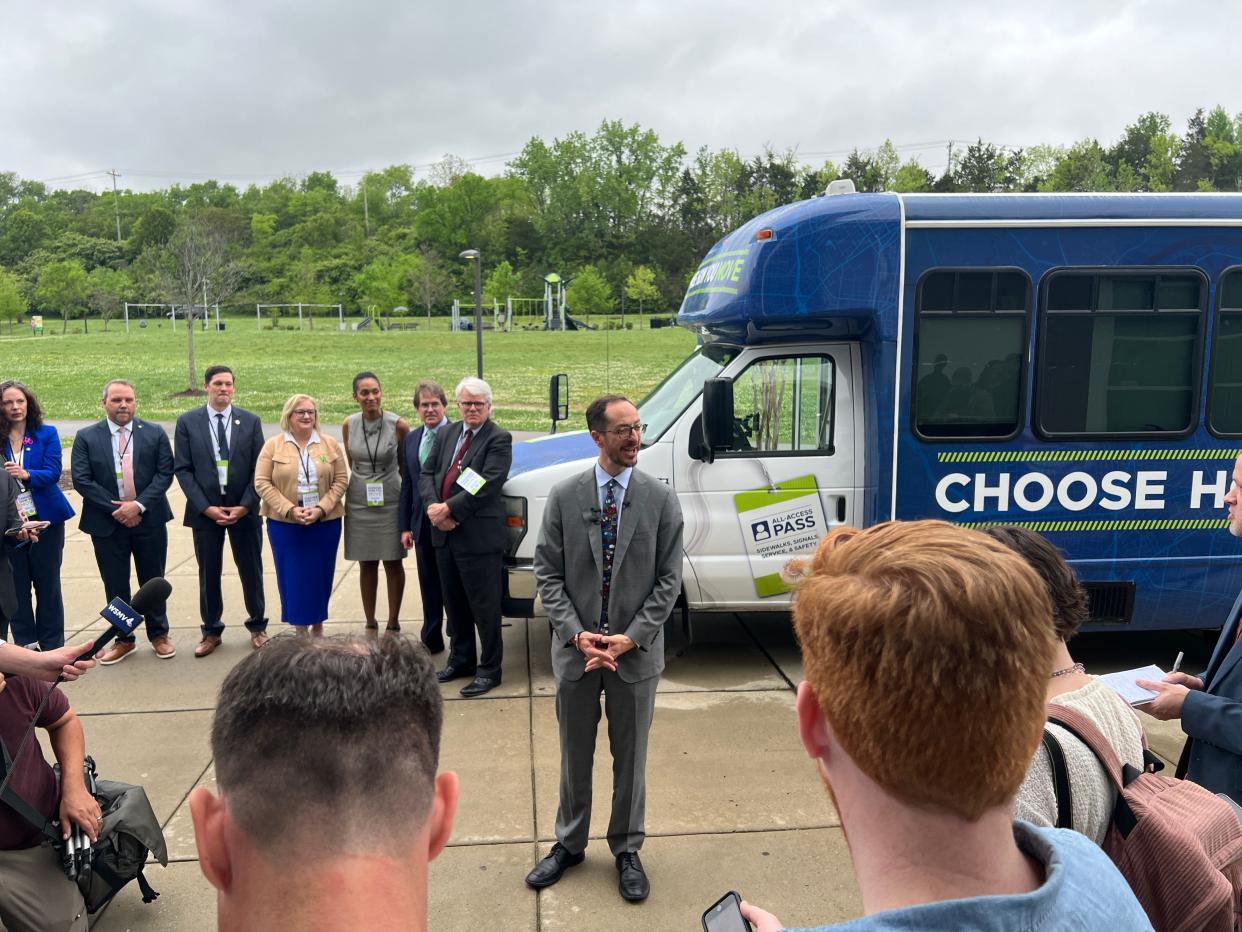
(471, 586)
(433, 598)
(246, 542)
(38, 566)
(148, 547)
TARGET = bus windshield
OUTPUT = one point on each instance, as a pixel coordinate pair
(664, 405)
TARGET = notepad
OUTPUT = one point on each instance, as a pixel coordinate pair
(1126, 685)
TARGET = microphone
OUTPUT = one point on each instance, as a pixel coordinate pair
(124, 618)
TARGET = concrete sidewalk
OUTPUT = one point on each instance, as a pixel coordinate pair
(733, 802)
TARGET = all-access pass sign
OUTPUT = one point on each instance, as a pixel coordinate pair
(776, 524)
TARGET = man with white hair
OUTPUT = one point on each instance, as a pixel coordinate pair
(460, 486)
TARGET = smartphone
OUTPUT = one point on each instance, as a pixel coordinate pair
(36, 526)
(725, 915)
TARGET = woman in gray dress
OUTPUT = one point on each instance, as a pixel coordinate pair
(372, 439)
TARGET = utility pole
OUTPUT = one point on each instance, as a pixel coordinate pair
(116, 208)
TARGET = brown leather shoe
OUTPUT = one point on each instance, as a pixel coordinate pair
(163, 648)
(116, 653)
(258, 639)
(208, 644)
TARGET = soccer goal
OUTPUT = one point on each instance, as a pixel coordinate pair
(304, 312)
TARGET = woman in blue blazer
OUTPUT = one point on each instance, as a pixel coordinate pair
(32, 456)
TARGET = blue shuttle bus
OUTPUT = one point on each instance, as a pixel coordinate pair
(1069, 363)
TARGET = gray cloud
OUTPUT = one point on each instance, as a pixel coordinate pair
(186, 89)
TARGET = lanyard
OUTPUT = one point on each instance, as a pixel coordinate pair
(304, 463)
(367, 442)
(19, 459)
(122, 450)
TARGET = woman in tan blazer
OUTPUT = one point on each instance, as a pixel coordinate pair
(301, 478)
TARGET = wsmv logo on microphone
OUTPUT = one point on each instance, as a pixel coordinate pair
(761, 530)
(121, 616)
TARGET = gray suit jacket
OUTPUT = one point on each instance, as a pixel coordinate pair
(1212, 717)
(646, 571)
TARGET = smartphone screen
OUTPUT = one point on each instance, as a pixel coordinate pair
(725, 915)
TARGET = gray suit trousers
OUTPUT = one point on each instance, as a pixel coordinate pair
(630, 707)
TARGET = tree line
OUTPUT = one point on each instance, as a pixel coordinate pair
(622, 215)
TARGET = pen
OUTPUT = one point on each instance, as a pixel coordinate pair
(1177, 664)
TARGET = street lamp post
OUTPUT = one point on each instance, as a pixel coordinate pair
(472, 255)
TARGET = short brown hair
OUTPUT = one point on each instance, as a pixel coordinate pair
(329, 744)
(597, 411)
(1070, 605)
(432, 388)
(928, 647)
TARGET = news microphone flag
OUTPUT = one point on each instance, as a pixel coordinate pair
(121, 616)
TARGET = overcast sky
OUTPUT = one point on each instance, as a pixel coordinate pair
(182, 90)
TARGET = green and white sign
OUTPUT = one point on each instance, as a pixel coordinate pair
(778, 524)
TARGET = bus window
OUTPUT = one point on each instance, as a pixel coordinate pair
(969, 357)
(1119, 353)
(1225, 392)
(784, 405)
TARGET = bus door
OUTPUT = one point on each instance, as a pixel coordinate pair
(787, 478)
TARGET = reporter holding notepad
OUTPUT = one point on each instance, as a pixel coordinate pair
(301, 478)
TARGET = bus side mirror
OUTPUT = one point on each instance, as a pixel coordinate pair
(558, 398)
(717, 417)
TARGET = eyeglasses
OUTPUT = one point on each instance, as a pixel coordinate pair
(304, 412)
(626, 429)
(472, 404)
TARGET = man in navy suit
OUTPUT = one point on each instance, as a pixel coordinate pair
(430, 402)
(216, 449)
(122, 468)
(1210, 706)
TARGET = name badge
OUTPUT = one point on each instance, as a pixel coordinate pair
(375, 494)
(222, 470)
(308, 495)
(471, 481)
(25, 504)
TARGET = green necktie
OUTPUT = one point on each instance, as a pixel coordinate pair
(424, 448)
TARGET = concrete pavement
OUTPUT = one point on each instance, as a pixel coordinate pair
(733, 802)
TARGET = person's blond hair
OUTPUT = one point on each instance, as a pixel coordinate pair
(928, 647)
(286, 413)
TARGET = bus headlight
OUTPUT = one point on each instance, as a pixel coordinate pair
(515, 523)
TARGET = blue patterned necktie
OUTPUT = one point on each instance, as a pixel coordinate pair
(608, 537)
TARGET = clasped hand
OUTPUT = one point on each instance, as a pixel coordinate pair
(307, 515)
(441, 517)
(128, 513)
(602, 650)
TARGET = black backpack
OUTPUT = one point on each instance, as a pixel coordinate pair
(130, 832)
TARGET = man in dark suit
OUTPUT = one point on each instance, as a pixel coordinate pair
(460, 486)
(608, 568)
(122, 467)
(430, 402)
(1210, 706)
(216, 449)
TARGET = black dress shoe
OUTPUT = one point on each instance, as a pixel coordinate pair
(451, 672)
(480, 685)
(549, 870)
(633, 882)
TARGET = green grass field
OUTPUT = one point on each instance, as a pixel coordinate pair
(68, 372)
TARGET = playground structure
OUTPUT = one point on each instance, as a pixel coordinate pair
(187, 310)
(340, 313)
(546, 313)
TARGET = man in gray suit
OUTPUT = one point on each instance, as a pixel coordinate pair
(1210, 706)
(608, 568)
